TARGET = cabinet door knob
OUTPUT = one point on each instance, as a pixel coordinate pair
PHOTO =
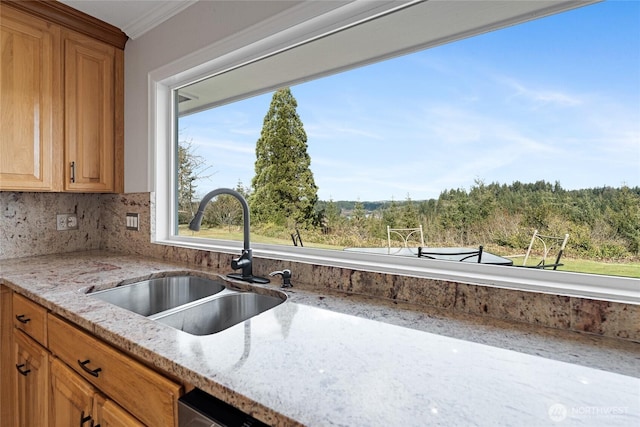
(24, 372)
(21, 318)
(93, 372)
(73, 171)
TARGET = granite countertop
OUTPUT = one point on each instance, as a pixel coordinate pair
(323, 359)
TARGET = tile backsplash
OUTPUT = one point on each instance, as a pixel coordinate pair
(28, 223)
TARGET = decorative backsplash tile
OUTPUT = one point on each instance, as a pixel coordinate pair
(28, 223)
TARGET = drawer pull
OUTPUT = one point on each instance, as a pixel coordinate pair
(21, 318)
(24, 372)
(84, 419)
(93, 372)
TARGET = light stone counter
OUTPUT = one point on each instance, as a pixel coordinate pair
(323, 359)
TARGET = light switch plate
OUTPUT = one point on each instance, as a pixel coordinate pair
(133, 221)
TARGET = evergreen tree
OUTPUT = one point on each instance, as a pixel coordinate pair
(332, 215)
(390, 215)
(409, 214)
(283, 185)
(359, 215)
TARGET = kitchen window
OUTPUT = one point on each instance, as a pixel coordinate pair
(364, 34)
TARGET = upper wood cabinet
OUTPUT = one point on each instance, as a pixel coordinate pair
(62, 97)
(89, 106)
(30, 150)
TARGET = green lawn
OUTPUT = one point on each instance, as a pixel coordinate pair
(631, 269)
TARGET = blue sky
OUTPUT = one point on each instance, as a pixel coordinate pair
(556, 99)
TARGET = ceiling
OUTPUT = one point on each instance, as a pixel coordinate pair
(133, 17)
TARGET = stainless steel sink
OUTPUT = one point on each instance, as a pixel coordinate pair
(219, 313)
(156, 295)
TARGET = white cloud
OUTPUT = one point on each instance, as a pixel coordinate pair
(541, 97)
(224, 144)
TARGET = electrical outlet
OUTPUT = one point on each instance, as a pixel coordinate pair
(66, 222)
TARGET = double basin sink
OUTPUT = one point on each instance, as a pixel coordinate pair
(193, 304)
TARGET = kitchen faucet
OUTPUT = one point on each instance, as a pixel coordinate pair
(245, 261)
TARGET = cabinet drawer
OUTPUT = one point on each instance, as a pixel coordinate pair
(30, 318)
(148, 395)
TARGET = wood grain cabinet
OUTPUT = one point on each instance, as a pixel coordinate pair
(63, 376)
(71, 397)
(31, 391)
(75, 402)
(30, 150)
(7, 372)
(62, 95)
(147, 395)
(30, 364)
(89, 106)
(109, 414)
(30, 318)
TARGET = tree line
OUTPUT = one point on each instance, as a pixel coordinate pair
(603, 223)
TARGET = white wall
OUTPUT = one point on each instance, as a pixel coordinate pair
(201, 25)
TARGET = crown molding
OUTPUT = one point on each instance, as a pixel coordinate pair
(156, 16)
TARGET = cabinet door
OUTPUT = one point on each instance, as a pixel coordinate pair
(7, 370)
(89, 94)
(147, 395)
(109, 414)
(71, 397)
(29, 103)
(32, 381)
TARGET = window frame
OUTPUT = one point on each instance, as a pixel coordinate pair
(264, 41)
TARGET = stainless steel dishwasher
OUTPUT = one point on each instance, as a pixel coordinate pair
(200, 409)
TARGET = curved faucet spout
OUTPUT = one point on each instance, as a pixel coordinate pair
(245, 261)
(197, 219)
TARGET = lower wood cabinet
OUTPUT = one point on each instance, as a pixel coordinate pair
(71, 397)
(31, 391)
(75, 402)
(55, 374)
(147, 395)
(30, 318)
(7, 369)
(111, 415)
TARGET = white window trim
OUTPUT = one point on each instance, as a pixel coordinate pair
(261, 41)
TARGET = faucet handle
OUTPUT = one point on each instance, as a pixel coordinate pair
(244, 261)
(286, 277)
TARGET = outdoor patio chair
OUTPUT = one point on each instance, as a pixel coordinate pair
(547, 245)
(464, 254)
(405, 234)
(297, 238)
